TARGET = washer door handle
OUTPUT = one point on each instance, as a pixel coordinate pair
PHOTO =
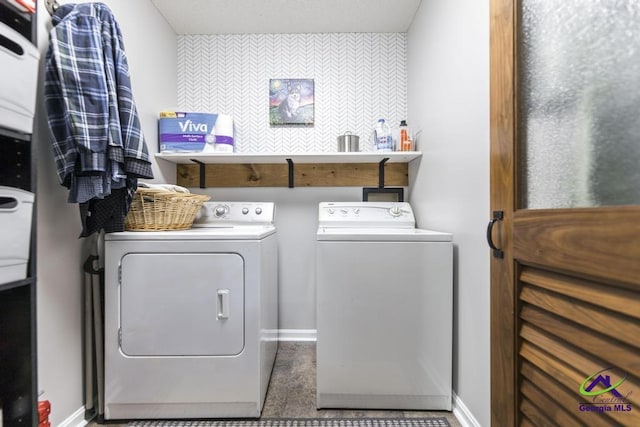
(223, 304)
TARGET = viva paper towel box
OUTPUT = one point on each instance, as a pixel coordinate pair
(181, 132)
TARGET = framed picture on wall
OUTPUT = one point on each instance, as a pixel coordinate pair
(291, 102)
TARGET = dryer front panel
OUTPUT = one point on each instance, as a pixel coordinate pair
(181, 304)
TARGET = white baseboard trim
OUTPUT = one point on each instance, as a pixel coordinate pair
(296, 335)
(463, 414)
(75, 420)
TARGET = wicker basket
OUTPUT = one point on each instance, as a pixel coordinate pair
(157, 210)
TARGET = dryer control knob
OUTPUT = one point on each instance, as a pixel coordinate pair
(245, 211)
(220, 211)
(258, 211)
(395, 211)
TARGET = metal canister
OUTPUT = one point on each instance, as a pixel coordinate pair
(348, 142)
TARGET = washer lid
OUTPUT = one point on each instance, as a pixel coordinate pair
(241, 232)
(382, 234)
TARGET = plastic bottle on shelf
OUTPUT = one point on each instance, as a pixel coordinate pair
(405, 143)
(383, 139)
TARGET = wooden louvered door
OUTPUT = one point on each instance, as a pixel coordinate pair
(565, 281)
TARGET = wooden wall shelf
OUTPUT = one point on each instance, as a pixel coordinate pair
(289, 170)
(253, 158)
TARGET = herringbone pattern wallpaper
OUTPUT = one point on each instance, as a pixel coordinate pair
(358, 78)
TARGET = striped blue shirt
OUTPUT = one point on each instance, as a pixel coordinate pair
(95, 131)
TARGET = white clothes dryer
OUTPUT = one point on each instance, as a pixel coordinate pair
(191, 317)
(384, 309)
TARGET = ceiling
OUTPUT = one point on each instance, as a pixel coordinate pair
(288, 16)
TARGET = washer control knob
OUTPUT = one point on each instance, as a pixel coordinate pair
(395, 211)
(245, 211)
(331, 211)
(220, 211)
(258, 211)
(344, 211)
(356, 211)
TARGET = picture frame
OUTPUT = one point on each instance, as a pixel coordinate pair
(291, 102)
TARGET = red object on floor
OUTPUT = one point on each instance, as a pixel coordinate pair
(44, 409)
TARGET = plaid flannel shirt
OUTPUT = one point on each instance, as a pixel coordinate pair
(96, 135)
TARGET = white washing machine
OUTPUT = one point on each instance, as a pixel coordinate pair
(384, 309)
(191, 317)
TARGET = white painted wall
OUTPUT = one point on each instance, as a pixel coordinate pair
(150, 45)
(358, 78)
(448, 72)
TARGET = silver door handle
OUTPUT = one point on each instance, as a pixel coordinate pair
(223, 304)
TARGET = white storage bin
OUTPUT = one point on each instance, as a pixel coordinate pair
(16, 207)
(18, 80)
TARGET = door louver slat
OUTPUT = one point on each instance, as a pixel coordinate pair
(526, 423)
(616, 299)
